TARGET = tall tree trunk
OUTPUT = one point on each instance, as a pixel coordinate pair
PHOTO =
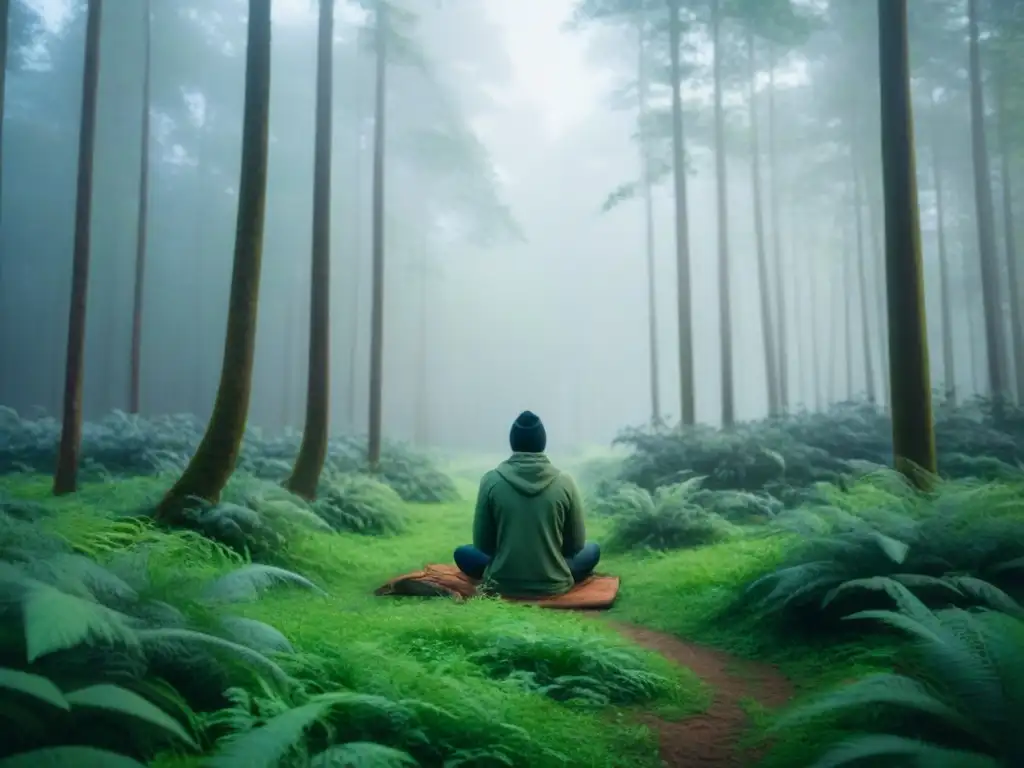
(771, 365)
(878, 253)
(862, 280)
(847, 288)
(912, 426)
(215, 458)
(995, 345)
(688, 414)
(945, 299)
(135, 383)
(377, 310)
(5, 25)
(422, 398)
(724, 292)
(799, 351)
(782, 352)
(357, 275)
(834, 329)
(643, 88)
(1010, 235)
(65, 478)
(313, 451)
(813, 295)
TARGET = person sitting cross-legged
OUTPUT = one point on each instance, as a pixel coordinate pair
(529, 538)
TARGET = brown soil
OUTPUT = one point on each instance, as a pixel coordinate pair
(710, 740)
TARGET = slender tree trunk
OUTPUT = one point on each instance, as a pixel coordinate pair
(422, 399)
(643, 88)
(771, 364)
(215, 458)
(724, 289)
(995, 345)
(313, 451)
(688, 415)
(65, 478)
(135, 383)
(862, 280)
(878, 254)
(913, 435)
(847, 289)
(948, 357)
(799, 351)
(1010, 238)
(782, 353)
(357, 275)
(5, 24)
(377, 310)
(834, 330)
(813, 295)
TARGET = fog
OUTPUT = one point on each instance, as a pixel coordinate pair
(508, 287)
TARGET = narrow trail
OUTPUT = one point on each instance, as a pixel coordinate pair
(710, 740)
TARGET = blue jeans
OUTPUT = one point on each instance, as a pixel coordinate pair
(473, 562)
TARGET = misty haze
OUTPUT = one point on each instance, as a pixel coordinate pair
(511, 383)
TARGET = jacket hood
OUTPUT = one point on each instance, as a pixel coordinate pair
(528, 473)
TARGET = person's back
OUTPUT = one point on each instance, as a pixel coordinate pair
(528, 529)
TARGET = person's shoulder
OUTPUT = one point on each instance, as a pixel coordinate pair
(489, 478)
(566, 481)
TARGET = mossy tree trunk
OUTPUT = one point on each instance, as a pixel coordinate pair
(377, 309)
(721, 175)
(687, 413)
(912, 427)
(1009, 234)
(771, 363)
(643, 93)
(215, 459)
(65, 478)
(945, 298)
(135, 383)
(313, 451)
(995, 345)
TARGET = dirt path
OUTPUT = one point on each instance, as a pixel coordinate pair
(709, 740)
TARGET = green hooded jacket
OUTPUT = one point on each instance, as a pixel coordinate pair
(529, 518)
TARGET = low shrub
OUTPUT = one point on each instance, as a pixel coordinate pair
(360, 504)
(667, 519)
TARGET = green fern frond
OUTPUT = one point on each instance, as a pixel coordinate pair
(987, 594)
(113, 698)
(65, 757)
(247, 656)
(886, 584)
(255, 634)
(362, 754)
(247, 582)
(55, 621)
(867, 750)
(34, 686)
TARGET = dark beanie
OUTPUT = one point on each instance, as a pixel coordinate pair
(528, 435)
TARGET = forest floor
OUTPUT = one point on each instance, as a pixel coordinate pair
(724, 680)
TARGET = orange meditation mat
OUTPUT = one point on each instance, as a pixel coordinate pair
(594, 593)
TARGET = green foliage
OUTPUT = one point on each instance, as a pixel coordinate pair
(670, 518)
(962, 706)
(122, 445)
(945, 547)
(360, 504)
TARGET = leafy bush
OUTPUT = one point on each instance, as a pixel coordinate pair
(360, 504)
(102, 635)
(779, 455)
(963, 707)
(122, 445)
(946, 547)
(668, 519)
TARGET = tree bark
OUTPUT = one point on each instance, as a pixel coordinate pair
(313, 450)
(1010, 237)
(687, 412)
(771, 363)
(862, 280)
(724, 288)
(995, 345)
(377, 309)
(65, 478)
(643, 87)
(782, 351)
(5, 25)
(135, 384)
(847, 289)
(912, 426)
(215, 459)
(945, 299)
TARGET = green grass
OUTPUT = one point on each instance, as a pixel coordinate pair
(430, 650)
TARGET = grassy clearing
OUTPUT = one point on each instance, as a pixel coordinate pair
(485, 662)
